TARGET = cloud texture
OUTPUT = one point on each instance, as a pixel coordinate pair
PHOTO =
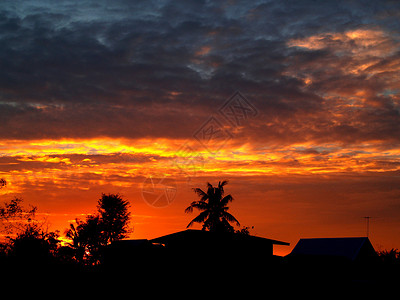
(104, 94)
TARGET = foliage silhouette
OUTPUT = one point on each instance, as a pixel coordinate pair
(14, 217)
(214, 210)
(32, 250)
(109, 224)
(114, 216)
(29, 241)
(391, 256)
(245, 230)
(3, 183)
(34, 245)
(87, 240)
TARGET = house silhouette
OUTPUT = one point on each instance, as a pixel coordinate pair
(201, 240)
(348, 248)
(344, 260)
(192, 249)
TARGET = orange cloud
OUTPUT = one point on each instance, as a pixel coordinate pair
(366, 47)
(203, 51)
(365, 42)
(117, 162)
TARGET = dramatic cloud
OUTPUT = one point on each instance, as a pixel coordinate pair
(105, 94)
(84, 70)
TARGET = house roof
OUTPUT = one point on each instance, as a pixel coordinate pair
(191, 235)
(348, 247)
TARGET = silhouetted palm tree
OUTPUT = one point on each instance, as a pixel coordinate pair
(214, 210)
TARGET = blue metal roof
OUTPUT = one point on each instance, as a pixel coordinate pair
(348, 247)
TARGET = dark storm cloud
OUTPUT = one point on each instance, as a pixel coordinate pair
(137, 69)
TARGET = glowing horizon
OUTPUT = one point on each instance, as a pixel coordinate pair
(298, 106)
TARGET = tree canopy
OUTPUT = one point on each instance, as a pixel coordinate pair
(114, 217)
(110, 223)
(214, 209)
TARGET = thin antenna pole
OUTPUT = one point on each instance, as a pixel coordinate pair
(367, 219)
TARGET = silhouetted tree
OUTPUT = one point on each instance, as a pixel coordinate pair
(14, 217)
(244, 230)
(34, 245)
(89, 237)
(29, 240)
(390, 257)
(214, 210)
(114, 217)
(74, 250)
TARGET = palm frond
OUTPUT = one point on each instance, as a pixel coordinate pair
(199, 219)
(221, 184)
(213, 205)
(226, 200)
(203, 195)
(207, 223)
(230, 218)
(210, 190)
(189, 210)
(200, 205)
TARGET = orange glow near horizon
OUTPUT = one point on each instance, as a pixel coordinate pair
(56, 168)
(106, 158)
(163, 157)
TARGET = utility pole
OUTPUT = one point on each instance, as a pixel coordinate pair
(367, 219)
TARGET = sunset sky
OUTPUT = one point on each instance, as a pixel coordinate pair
(296, 103)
